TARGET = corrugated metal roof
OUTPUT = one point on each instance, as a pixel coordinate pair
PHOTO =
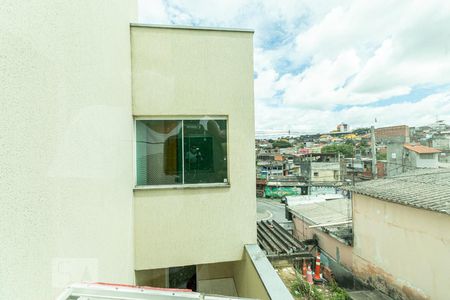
(326, 211)
(427, 189)
(277, 242)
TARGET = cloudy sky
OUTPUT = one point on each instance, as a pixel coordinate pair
(320, 63)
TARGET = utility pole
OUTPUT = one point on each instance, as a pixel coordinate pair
(341, 170)
(374, 153)
(353, 167)
(310, 171)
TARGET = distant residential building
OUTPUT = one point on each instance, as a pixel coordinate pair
(440, 141)
(420, 156)
(406, 157)
(433, 135)
(325, 138)
(305, 150)
(316, 149)
(439, 125)
(321, 168)
(393, 134)
(351, 136)
(342, 127)
(264, 156)
(401, 236)
(312, 149)
(288, 150)
(360, 168)
(266, 168)
(325, 172)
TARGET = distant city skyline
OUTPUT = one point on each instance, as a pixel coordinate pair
(321, 63)
(261, 134)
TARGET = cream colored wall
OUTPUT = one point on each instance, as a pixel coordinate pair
(324, 176)
(216, 279)
(326, 242)
(247, 280)
(65, 145)
(215, 271)
(408, 248)
(189, 73)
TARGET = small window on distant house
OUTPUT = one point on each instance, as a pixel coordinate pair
(336, 174)
(316, 173)
(427, 156)
(177, 152)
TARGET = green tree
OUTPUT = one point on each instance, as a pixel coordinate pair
(281, 143)
(381, 156)
(361, 131)
(344, 149)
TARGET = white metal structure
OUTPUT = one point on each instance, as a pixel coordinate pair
(100, 291)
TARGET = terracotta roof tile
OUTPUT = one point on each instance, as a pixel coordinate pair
(421, 149)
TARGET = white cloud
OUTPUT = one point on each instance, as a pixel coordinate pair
(313, 55)
(304, 120)
(402, 44)
(323, 83)
(152, 11)
(217, 12)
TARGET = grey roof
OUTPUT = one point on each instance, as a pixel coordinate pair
(277, 242)
(328, 212)
(426, 189)
(321, 212)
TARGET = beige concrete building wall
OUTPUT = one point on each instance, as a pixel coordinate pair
(326, 242)
(216, 279)
(183, 72)
(401, 247)
(215, 271)
(325, 175)
(65, 145)
(247, 280)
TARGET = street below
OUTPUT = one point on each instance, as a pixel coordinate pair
(268, 209)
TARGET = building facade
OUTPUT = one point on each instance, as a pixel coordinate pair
(406, 157)
(129, 163)
(400, 235)
(393, 134)
(67, 168)
(175, 78)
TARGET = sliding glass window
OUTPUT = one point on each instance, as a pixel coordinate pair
(177, 152)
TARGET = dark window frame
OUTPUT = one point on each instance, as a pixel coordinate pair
(183, 183)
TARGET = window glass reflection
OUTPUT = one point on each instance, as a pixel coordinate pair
(158, 152)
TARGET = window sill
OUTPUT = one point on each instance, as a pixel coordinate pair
(181, 186)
